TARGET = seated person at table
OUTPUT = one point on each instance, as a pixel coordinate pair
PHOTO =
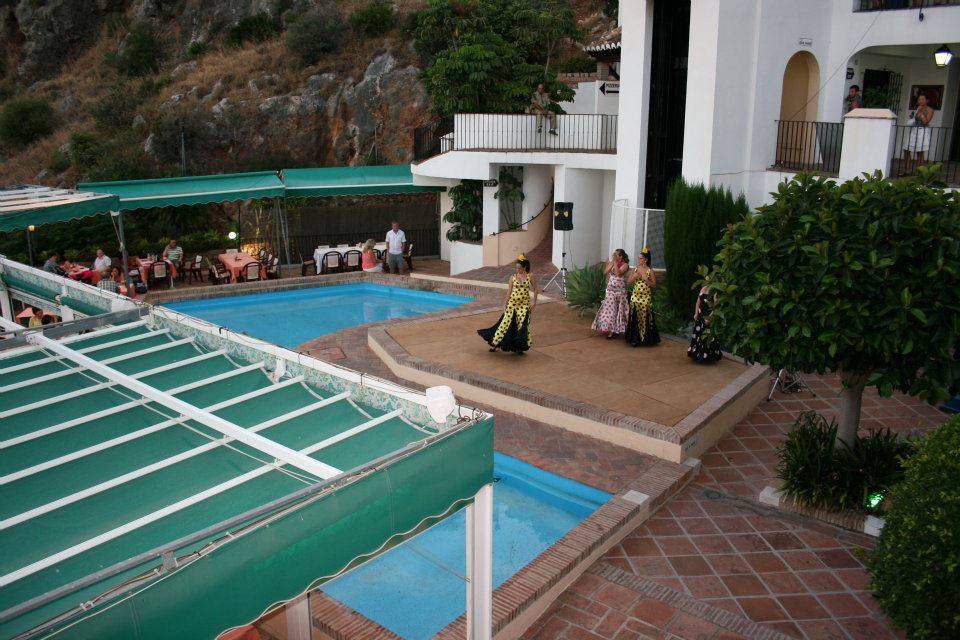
(369, 258)
(52, 265)
(102, 262)
(173, 253)
(36, 320)
(113, 282)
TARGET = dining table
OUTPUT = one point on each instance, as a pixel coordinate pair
(84, 274)
(145, 264)
(320, 251)
(236, 264)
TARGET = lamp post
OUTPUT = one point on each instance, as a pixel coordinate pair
(943, 56)
(30, 230)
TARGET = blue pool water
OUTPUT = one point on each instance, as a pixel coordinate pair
(418, 588)
(290, 318)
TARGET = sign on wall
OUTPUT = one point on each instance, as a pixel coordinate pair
(607, 88)
(805, 42)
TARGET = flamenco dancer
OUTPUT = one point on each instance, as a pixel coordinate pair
(703, 348)
(641, 326)
(512, 330)
(612, 317)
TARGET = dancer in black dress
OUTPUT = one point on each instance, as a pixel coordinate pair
(641, 326)
(703, 348)
(512, 330)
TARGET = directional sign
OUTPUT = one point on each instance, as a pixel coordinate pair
(609, 87)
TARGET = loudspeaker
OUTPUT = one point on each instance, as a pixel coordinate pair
(563, 216)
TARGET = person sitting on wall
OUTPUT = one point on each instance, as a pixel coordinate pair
(540, 106)
(396, 247)
(368, 258)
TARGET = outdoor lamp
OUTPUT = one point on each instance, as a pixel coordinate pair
(232, 235)
(31, 228)
(440, 403)
(943, 56)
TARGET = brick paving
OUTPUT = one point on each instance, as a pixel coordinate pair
(714, 543)
(540, 264)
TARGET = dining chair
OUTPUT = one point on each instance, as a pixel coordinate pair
(159, 273)
(408, 257)
(352, 260)
(332, 262)
(218, 273)
(252, 272)
(194, 268)
(308, 266)
(273, 270)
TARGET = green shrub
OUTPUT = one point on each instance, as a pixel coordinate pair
(256, 28)
(916, 564)
(85, 150)
(586, 287)
(198, 140)
(58, 162)
(578, 64)
(24, 120)
(466, 214)
(374, 19)
(695, 220)
(315, 32)
(669, 320)
(816, 472)
(140, 53)
(197, 48)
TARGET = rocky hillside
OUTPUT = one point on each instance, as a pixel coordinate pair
(131, 81)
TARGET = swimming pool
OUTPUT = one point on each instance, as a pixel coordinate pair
(290, 318)
(418, 588)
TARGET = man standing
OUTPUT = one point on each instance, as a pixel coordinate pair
(853, 100)
(540, 105)
(396, 245)
(101, 263)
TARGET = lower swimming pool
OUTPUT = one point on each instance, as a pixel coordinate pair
(290, 318)
(418, 588)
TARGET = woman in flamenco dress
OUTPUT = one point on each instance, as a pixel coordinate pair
(641, 326)
(512, 330)
(612, 317)
(703, 348)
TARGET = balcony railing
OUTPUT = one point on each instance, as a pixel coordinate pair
(913, 146)
(577, 133)
(808, 146)
(888, 5)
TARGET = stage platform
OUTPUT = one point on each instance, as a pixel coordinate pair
(654, 399)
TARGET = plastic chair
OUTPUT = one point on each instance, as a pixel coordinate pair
(251, 272)
(408, 257)
(332, 262)
(273, 270)
(352, 260)
(159, 272)
(231, 251)
(195, 268)
(308, 266)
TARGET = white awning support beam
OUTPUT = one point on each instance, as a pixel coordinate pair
(278, 451)
(480, 565)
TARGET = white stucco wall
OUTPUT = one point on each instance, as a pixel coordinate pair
(537, 183)
(584, 188)
(588, 98)
(465, 256)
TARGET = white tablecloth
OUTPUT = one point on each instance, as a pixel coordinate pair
(318, 253)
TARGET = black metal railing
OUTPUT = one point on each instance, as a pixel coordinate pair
(889, 5)
(915, 146)
(429, 139)
(586, 132)
(808, 146)
(426, 242)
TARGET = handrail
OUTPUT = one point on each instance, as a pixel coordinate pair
(546, 206)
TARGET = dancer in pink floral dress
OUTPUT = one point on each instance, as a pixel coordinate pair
(613, 314)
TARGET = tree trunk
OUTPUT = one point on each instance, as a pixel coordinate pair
(851, 396)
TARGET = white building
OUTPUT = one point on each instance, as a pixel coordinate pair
(741, 93)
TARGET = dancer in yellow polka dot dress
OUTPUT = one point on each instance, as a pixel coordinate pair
(512, 330)
(641, 325)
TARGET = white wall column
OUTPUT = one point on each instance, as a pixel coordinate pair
(297, 618)
(6, 308)
(491, 211)
(446, 204)
(480, 565)
(636, 19)
(699, 118)
(867, 142)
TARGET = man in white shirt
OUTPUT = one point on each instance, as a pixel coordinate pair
(101, 263)
(396, 244)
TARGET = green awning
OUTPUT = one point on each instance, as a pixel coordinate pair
(24, 205)
(343, 181)
(174, 192)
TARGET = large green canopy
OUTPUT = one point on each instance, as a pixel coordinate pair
(22, 206)
(173, 192)
(340, 181)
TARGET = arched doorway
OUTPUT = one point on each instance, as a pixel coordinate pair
(802, 143)
(801, 79)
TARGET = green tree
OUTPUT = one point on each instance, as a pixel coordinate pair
(694, 220)
(140, 53)
(374, 19)
(860, 278)
(24, 120)
(916, 565)
(315, 32)
(466, 214)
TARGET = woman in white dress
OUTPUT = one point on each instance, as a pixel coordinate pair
(918, 142)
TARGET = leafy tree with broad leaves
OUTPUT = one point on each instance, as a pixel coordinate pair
(860, 278)
(466, 214)
(487, 56)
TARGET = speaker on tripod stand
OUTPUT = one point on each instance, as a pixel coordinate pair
(563, 222)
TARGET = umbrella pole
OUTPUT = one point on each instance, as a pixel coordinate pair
(123, 249)
(285, 226)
